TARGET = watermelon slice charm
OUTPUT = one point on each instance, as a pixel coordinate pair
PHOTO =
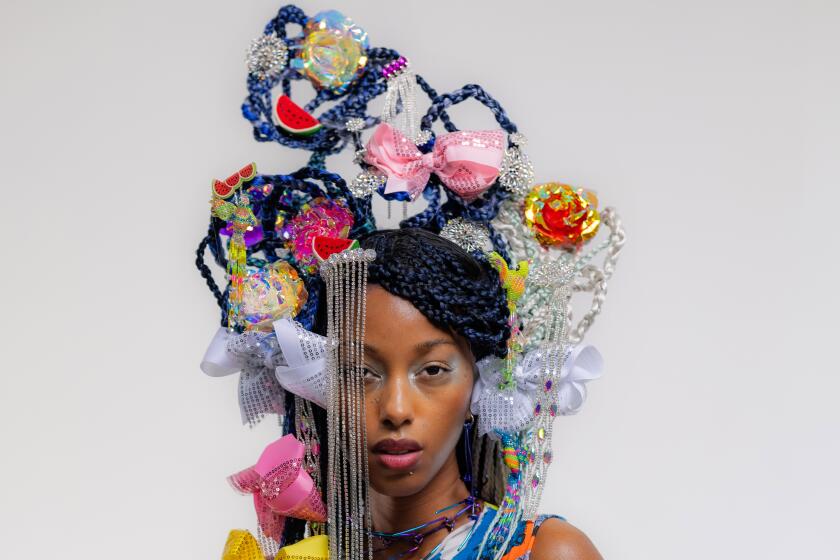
(226, 188)
(293, 119)
(323, 246)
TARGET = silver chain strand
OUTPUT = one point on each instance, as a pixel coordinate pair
(307, 433)
(346, 279)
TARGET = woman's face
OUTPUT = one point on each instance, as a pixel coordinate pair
(418, 383)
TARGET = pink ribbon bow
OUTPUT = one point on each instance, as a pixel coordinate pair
(281, 487)
(467, 162)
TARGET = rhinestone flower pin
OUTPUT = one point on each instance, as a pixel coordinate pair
(267, 57)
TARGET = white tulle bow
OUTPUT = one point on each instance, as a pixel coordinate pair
(512, 410)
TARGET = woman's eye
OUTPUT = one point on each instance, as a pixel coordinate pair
(434, 370)
(370, 374)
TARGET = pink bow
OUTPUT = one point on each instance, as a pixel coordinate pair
(467, 162)
(281, 487)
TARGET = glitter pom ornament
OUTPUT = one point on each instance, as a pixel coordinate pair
(270, 293)
(561, 216)
(333, 51)
(320, 217)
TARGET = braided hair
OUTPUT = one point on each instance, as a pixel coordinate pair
(453, 289)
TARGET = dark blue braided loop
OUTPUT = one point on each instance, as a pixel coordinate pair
(449, 286)
(483, 210)
(499, 243)
(309, 312)
(475, 91)
(430, 91)
(430, 218)
(205, 271)
(287, 14)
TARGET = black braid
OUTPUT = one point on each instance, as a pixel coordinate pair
(453, 289)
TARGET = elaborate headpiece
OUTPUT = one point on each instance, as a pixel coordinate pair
(294, 304)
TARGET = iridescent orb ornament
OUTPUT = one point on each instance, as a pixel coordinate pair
(321, 216)
(333, 51)
(561, 216)
(270, 293)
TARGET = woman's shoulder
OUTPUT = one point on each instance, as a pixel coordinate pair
(557, 539)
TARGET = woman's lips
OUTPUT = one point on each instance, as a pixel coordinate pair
(401, 461)
(398, 454)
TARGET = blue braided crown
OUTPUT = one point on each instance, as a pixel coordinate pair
(434, 283)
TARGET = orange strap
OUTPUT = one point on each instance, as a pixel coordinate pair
(527, 544)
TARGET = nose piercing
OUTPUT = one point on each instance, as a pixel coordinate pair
(410, 473)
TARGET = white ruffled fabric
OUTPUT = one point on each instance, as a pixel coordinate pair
(512, 410)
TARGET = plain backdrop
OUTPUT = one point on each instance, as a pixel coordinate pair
(712, 126)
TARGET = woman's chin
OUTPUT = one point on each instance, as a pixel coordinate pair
(396, 484)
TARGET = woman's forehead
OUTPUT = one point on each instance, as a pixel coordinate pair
(392, 321)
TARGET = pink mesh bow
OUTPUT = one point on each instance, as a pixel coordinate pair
(281, 487)
(467, 162)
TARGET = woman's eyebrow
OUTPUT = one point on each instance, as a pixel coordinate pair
(419, 348)
(371, 349)
(427, 345)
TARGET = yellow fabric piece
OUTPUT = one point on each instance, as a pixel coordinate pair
(241, 545)
(313, 548)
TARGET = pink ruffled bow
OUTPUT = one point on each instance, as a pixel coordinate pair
(467, 162)
(281, 487)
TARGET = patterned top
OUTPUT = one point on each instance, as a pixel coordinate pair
(463, 543)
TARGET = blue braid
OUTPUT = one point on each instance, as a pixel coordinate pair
(441, 102)
(430, 218)
(287, 14)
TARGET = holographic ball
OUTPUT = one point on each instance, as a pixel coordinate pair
(270, 293)
(333, 50)
(561, 216)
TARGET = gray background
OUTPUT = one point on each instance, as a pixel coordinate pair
(712, 126)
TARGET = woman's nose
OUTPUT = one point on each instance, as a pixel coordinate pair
(396, 408)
